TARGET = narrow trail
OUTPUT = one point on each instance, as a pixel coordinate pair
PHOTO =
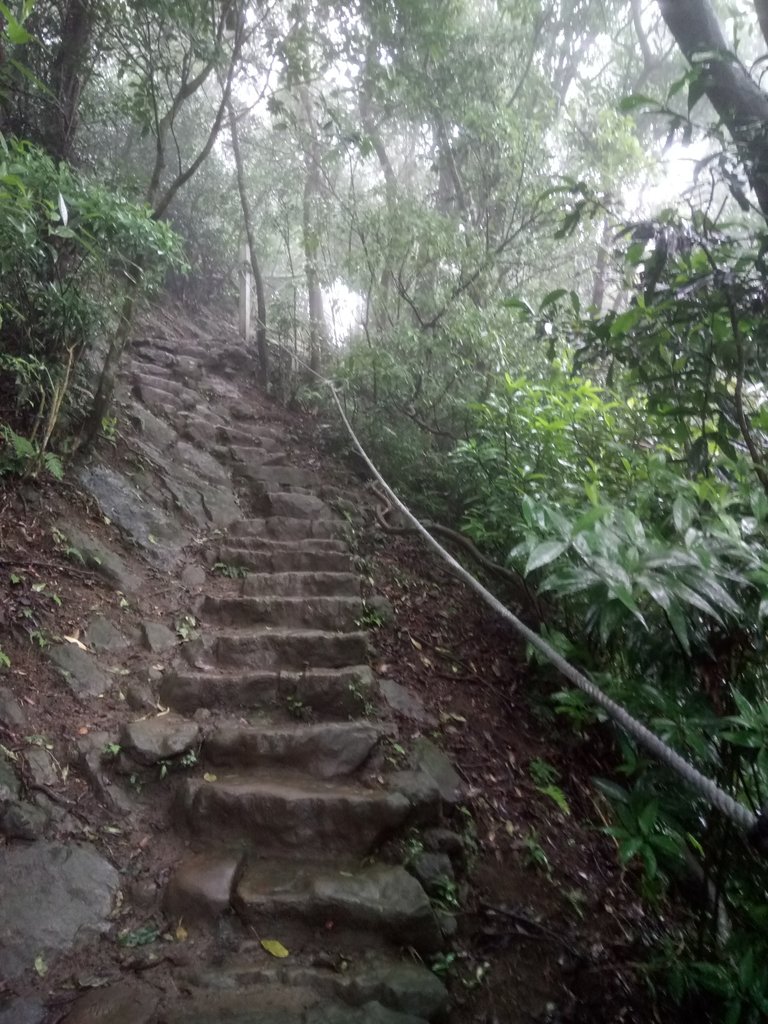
(279, 824)
(226, 795)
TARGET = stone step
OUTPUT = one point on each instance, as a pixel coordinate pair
(301, 584)
(265, 543)
(278, 648)
(324, 749)
(142, 368)
(282, 814)
(278, 1005)
(328, 613)
(382, 900)
(299, 506)
(403, 986)
(286, 528)
(162, 383)
(255, 456)
(278, 476)
(290, 560)
(328, 693)
(157, 400)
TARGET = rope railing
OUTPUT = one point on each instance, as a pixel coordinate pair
(756, 825)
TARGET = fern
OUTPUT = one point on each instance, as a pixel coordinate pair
(53, 464)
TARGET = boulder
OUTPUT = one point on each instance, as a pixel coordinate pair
(79, 670)
(52, 895)
(151, 740)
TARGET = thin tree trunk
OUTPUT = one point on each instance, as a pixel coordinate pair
(245, 204)
(318, 341)
(68, 72)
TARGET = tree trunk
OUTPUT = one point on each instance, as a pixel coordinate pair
(245, 203)
(738, 99)
(68, 73)
(317, 332)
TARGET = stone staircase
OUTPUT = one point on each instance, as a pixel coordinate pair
(285, 821)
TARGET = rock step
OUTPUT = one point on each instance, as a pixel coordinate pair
(287, 528)
(324, 749)
(327, 613)
(381, 899)
(282, 814)
(159, 382)
(264, 543)
(279, 648)
(138, 366)
(285, 1005)
(277, 476)
(329, 693)
(254, 455)
(158, 400)
(301, 584)
(403, 986)
(290, 560)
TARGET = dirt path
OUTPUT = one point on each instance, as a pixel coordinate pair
(292, 842)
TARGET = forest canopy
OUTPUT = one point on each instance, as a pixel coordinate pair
(528, 240)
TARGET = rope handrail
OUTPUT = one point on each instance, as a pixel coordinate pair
(756, 825)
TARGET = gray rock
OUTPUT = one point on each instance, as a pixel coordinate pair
(370, 1013)
(443, 840)
(154, 739)
(22, 820)
(158, 534)
(89, 754)
(403, 986)
(422, 794)
(52, 895)
(9, 782)
(430, 759)
(193, 576)
(42, 766)
(139, 696)
(105, 636)
(403, 702)
(79, 670)
(157, 637)
(433, 870)
(21, 1011)
(102, 559)
(11, 712)
(123, 1003)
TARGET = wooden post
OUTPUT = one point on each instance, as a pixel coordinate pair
(245, 292)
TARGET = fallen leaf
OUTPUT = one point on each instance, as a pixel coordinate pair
(83, 730)
(275, 948)
(181, 933)
(78, 643)
(41, 966)
(210, 777)
(416, 644)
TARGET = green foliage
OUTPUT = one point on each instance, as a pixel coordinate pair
(66, 246)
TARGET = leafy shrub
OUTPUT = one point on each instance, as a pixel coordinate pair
(66, 247)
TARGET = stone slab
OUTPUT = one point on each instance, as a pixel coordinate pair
(51, 895)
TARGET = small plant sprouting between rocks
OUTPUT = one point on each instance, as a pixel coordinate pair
(534, 853)
(188, 760)
(232, 572)
(5, 661)
(370, 618)
(186, 628)
(367, 708)
(297, 708)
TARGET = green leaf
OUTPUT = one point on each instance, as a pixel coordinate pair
(543, 554)
(678, 624)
